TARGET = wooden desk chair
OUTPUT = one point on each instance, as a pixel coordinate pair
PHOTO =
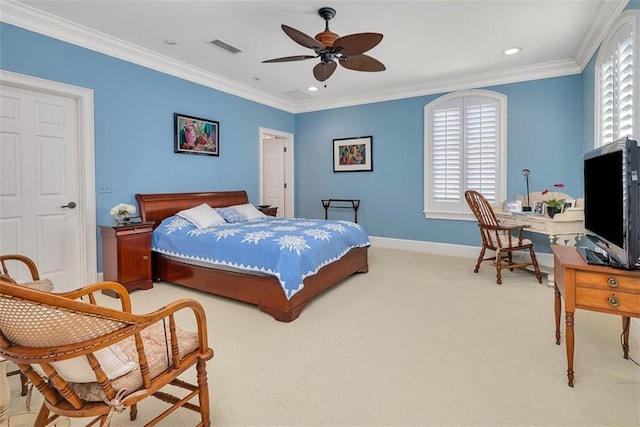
(100, 360)
(16, 262)
(498, 238)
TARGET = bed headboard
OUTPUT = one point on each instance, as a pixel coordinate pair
(156, 207)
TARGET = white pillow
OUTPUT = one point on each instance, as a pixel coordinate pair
(202, 216)
(113, 361)
(248, 211)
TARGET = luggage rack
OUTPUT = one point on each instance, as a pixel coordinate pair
(341, 204)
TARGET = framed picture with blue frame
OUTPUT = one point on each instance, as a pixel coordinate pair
(353, 154)
(194, 135)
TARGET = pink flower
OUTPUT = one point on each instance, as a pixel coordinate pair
(553, 202)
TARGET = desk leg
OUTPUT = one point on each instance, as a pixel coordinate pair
(626, 323)
(557, 307)
(570, 341)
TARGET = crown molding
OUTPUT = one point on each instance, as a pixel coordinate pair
(43, 23)
(606, 15)
(40, 22)
(512, 75)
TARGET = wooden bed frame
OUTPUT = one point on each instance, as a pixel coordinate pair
(263, 291)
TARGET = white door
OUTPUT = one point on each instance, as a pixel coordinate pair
(39, 189)
(277, 171)
(273, 182)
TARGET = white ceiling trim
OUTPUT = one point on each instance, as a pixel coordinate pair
(513, 75)
(35, 20)
(603, 20)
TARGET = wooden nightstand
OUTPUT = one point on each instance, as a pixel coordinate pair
(126, 255)
(269, 210)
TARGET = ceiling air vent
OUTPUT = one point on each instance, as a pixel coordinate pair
(225, 46)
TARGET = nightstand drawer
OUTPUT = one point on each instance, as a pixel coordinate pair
(611, 301)
(610, 282)
(134, 230)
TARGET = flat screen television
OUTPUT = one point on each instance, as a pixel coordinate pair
(612, 205)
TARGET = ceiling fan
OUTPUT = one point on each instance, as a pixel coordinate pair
(332, 49)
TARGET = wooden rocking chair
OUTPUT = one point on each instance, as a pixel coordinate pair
(498, 238)
(100, 360)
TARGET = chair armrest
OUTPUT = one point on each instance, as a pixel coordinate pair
(4, 272)
(183, 304)
(89, 290)
(505, 227)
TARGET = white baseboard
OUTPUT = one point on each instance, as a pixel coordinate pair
(545, 260)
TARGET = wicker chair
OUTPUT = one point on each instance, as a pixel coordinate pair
(498, 238)
(22, 262)
(157, 350)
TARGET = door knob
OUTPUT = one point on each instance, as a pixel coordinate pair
(69, 205)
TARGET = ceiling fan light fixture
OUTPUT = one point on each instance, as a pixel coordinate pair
(332, 49)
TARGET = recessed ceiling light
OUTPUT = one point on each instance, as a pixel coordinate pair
(170, 42)
(512, 50)
(312, 88)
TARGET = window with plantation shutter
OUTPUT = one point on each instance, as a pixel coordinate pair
(464, 149)
(616, 82)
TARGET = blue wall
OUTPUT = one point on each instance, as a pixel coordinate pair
(134, 109)
(544, 135)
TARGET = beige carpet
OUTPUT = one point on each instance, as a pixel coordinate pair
(419, 340)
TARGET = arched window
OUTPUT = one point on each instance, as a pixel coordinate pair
(617, 81)
(465, 148)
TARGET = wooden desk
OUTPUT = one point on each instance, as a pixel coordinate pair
(591, 287)
(564, 228)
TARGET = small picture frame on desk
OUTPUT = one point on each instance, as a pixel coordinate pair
(538, 207)
(568, 204)
(512, 206)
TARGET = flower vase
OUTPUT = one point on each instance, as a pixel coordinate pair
(122, 219)
(552, 211)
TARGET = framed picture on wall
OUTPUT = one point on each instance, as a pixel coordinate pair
(193, 135)
(353, 154)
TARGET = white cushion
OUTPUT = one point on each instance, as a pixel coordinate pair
(113, 361)
(248, 211)
(202, 216)
(44, 285)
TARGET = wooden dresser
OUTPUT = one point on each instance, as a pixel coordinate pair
(592, 287)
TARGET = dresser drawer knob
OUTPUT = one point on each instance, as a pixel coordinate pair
(613, 282)
(145, 257)
(613, 301)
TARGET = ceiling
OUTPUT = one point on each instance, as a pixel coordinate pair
(429, 46)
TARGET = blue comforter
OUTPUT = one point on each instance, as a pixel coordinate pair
(288, 248)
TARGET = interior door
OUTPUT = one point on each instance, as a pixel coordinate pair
(276, 167)
(39, 189)
(273, 182)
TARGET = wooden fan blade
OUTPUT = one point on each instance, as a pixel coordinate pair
(301, 38)
(290, 58)
(362, 63)
(323, 71)
(357, 44)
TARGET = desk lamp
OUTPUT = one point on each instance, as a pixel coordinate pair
(526, 173)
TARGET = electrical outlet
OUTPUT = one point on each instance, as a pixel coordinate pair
(104, 188)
